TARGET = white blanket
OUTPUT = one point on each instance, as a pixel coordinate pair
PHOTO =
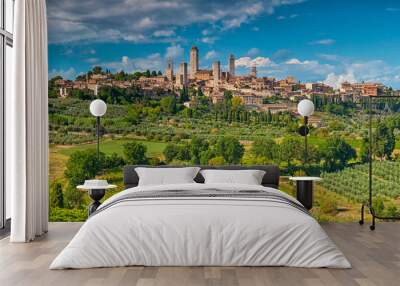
(200, 231)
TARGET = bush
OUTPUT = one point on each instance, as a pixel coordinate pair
(328, 206)
(83, 165)
(230, 149)
(73, 197)
(171, 152)
(264, 147)
(166, 138)
(217, 161)
(154, 161)
(56, 195)
(113, 161)
(68, 215)
(135, 153)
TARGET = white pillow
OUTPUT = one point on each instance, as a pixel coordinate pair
(166, 176)
(247, 177)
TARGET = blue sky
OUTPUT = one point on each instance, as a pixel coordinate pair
(316, 40)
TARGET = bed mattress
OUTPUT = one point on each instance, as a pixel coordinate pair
(201, 225)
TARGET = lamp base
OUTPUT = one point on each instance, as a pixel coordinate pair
(96, 195)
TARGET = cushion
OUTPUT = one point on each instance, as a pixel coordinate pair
(247, 177)
(166, 176)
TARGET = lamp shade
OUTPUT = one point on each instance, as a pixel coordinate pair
(305, 107)
(98, 107)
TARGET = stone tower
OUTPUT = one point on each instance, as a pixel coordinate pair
(194, 61)
(169, 72)
(216, 70)
(182, 76)
(231, 65)
(253, 72)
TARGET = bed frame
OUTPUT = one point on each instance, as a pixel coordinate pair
(270, 179)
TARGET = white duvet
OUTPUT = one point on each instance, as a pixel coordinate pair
(202, 232)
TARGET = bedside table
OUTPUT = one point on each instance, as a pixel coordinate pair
(96, 190)
(304, 190)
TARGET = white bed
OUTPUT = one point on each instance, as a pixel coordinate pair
(202, 231)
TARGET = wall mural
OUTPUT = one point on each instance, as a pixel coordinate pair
(191, 82)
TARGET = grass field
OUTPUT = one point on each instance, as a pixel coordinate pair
(109, 146)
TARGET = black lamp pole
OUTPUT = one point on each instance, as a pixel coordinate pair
(98, 108)
(98, 136)
(305, 140)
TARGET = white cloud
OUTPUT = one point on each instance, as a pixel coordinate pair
(145, 23)
(135, 38)
(249, 62)
(151, 62)
(307, 66)
(335, 80)
(368, 71)
(245, 16)
(293, 62)
(164, 33)
(324, 42)
(174, 52)
(253, 52)
(305, 70)
(92, 60)
(65, 74)
(208, 40)
(138, 21)
(338, 70)
(211, 55)
(235, 22)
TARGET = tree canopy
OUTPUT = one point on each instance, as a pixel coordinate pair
(135, 153)
(336, 153)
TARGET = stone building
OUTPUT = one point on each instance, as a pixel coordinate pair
(216, 70)
(169, 72)
(194, 61)
(231, 65)
(182, 76)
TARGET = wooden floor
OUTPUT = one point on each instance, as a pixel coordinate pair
(375, 257)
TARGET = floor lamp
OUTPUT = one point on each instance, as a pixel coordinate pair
(369, 203)
(305, 109)
(98, 108)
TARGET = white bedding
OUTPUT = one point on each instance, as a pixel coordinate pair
(200, 231)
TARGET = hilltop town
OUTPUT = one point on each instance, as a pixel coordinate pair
(254, 91)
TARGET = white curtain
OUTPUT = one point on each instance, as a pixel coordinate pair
(27, 124)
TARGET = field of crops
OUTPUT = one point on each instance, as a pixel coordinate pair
(353, 182)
